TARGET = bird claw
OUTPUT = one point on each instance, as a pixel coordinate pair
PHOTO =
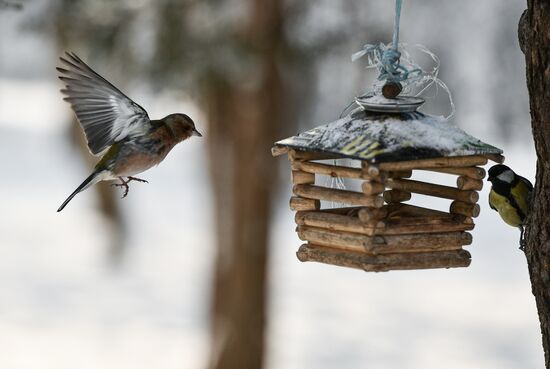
(522, 241)
(124, 184)
(136, 179)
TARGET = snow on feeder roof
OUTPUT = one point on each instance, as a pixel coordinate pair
(380, 137)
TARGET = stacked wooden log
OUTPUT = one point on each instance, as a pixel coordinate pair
(375, 230)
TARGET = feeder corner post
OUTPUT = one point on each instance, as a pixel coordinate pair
(534, 41)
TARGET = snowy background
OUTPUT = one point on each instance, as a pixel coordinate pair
(63, 305)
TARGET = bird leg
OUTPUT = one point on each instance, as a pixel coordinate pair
(522, 241)
(124, 184)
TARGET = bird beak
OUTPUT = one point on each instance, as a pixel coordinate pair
(196, 133)
(490, 179)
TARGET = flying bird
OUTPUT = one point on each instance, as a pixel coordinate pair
(510, 196)
(117, 128)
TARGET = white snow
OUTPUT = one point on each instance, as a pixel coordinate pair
(433, 132)
(424, 131)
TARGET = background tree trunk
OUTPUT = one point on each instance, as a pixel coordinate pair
(534, 36)
(245, 118)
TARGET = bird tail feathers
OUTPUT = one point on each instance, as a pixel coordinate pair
(90, 181)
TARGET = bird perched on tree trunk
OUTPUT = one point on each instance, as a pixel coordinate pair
(510, 196)
(117, 127)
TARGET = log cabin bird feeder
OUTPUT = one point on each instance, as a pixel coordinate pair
(378, 229)
(386, 141)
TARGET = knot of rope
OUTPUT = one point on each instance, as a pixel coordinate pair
(387, 60)
(400, 67)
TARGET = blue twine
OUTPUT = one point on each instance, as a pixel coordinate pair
(398, 4)
(388, 58)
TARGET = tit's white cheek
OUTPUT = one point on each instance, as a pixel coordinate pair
(506, 176)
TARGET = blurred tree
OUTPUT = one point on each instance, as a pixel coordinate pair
(9, 5)
(242, 93)
(535, 44)
(251, 80)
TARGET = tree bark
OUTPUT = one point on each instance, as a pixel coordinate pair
(245, 118)
(534, 36)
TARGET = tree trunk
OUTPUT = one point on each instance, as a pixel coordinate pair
(245, 119)
(534, 36)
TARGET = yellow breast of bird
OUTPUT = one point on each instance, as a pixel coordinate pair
(507, 212)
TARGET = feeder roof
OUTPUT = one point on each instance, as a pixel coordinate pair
(379, 137)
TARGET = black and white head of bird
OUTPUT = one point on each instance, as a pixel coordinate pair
(501, 174)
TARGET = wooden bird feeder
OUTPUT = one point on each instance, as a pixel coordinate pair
(377, 228)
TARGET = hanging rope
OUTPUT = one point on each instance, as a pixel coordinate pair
(387, 58)
(395, 66)
(396, 20)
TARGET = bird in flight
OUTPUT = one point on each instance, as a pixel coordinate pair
(117, 128)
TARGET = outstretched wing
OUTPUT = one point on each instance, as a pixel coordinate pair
(105, 113)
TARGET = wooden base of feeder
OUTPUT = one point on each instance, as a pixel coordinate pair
(394, 237)
(384, 244)
(386, 262)
(397, 224)
(377, 231)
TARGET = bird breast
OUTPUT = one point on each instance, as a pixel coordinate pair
(137, 157)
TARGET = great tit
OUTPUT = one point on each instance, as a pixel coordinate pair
(510, 196)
